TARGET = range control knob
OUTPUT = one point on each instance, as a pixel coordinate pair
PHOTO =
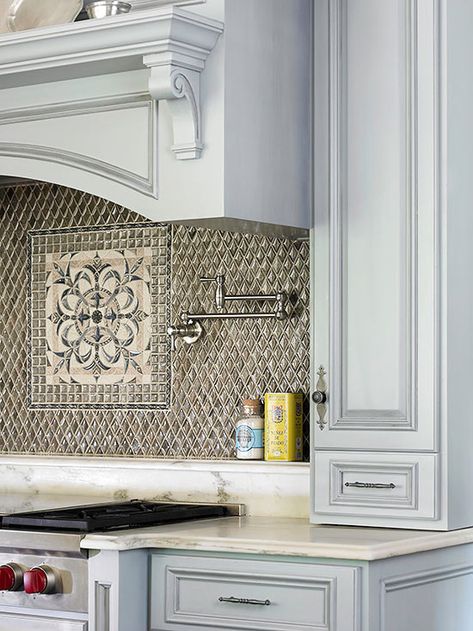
(41, 579)
(11, 577)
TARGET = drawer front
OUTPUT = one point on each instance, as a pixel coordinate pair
(215, 593)
(384, 485)
(18, 622)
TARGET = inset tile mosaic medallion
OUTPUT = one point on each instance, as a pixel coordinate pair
(99, 311)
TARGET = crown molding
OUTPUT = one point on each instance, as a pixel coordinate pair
(172, 42)
(153, 4)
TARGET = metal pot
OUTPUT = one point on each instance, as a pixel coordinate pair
(106, 8)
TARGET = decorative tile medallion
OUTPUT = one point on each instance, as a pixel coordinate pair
(99, 311)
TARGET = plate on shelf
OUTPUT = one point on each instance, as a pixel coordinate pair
(4, 9)
(27, 14)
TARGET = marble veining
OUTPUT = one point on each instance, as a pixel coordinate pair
(280, 536)
(21, 502)
(265, 488)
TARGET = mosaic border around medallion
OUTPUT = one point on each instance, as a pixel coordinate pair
(156, 395)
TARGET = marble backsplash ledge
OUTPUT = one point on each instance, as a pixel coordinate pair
(266, 489)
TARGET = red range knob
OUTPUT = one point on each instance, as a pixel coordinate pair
(40, 580)
(11, 577)
(35, 581)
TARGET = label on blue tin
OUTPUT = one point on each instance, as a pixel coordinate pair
(248, 438)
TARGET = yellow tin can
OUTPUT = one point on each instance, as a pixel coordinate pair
(283, 426)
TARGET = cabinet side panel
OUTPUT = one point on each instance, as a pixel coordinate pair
(268, 110)
(458, 250)
(428, 591)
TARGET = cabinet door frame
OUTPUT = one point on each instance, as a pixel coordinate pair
(414, 428)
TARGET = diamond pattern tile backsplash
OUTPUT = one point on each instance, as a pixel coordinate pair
(161, 405)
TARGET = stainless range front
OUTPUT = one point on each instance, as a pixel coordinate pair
(44, 582)
(47, 583)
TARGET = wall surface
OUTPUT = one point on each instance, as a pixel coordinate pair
(192, 411)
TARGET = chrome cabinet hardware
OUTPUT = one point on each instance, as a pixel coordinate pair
(189, 331)
(319, 397)
(370, 485)
(244, 601)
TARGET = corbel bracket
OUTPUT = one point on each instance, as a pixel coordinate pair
(178, 83)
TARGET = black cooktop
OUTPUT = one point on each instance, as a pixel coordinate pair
(114, 516)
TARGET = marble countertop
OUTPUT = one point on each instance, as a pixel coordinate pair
(280, 536)
(255, 535)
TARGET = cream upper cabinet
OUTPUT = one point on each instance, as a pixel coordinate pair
(392, 198)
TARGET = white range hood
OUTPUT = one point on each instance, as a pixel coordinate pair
(167, 110)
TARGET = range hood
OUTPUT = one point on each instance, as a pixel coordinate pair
(168, 110)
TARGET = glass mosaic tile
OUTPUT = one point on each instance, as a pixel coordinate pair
(235, 359)
(91, 317)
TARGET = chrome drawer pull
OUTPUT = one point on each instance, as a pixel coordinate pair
(369, 485)
(243, 601)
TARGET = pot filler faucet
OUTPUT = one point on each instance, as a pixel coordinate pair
(190, 330)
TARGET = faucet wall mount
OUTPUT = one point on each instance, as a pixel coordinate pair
(190, 329)
(190, 332)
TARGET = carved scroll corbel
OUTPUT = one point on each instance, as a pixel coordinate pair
(179, 86)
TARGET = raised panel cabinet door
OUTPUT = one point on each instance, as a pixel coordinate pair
(375, 232)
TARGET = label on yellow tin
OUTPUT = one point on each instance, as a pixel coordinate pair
(283, 427)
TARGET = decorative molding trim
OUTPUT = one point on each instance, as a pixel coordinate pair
(172, 42)
(74, 108)
(75, 160)
(123, 42)
(410, 472)
(174, 577)
(420, 502)
(139, 5)
(424, 578)
(409, 581)
(146, 186)
(440, 217)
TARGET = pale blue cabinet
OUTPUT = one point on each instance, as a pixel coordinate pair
(392, 301)
(426, 591)
(191, 593)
